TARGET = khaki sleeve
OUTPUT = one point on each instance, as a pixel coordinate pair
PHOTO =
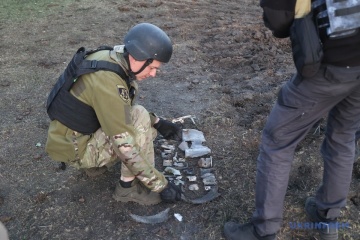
(109, 96)
(111, 101)
(129, 153)
(152, 118)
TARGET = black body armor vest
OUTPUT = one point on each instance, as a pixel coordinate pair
(66, 108)
(337, 18)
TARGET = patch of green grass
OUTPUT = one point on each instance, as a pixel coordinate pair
(23, 10)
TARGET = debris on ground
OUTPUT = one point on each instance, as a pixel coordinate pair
(153, 219)
(190, 165)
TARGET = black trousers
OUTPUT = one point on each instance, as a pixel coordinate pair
(301, 103)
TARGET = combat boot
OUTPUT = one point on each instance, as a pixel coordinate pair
(327, 228)
(235, 231)
(136, 193)
(95, 171)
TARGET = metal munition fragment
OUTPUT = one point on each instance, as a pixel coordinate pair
(178, 182)
(174, 171)
(180, 165)
(178, 217)
(210, 180)
(181, 160)
(168, 147)
(197, 151)
(211, 195)
(191, 178)
(153, 219)
(205, 162)
(205, 170)
(193, 187)
(181, 119)
(189, 171)
(183, 146)
(193, 135)
(208, 175)
(167, 163)
(165, 155)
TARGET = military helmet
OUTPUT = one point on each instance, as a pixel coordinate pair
(146, 41)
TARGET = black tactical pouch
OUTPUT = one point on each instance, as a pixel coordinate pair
(306, 46)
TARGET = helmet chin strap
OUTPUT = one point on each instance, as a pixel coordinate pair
(147, 63)
(130, 72)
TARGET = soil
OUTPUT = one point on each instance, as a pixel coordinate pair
(226, 70)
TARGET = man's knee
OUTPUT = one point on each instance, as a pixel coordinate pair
(140, 116)
(139, 112)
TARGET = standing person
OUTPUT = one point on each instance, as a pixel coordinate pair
(301, 102)
(96, 122)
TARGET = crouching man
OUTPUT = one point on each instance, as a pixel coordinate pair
(94, 121)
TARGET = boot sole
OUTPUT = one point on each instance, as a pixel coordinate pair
(125, 200)
(95, 173)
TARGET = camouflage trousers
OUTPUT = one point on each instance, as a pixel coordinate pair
(99, 151)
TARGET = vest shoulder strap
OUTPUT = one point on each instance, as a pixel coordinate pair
(89, 66)
(67, 109)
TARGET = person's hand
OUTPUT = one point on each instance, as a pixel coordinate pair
(171, 193)
(168, 129)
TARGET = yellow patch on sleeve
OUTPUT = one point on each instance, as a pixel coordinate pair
(124, 93)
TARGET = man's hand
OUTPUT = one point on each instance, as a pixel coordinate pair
(171, 193)
(168, 129)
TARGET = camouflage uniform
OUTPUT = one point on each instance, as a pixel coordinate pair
(126, 131)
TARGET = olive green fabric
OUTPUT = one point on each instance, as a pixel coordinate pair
(126, 131)
(101, 90)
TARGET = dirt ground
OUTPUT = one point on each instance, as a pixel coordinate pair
(226, 70)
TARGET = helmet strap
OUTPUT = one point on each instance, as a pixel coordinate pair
(147, 63)
(126, 56)
(130, 72)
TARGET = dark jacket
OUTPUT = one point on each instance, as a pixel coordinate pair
(278, 16)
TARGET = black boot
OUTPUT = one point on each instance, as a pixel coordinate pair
(235, 231)
(326, 227)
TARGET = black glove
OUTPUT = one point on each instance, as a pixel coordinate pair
(168, 129)
(282, 32)
(171, 193)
